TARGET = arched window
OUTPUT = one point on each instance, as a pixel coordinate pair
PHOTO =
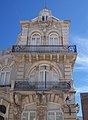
(29, 112)
(44, 18)
(44, 74)
(54, 112)
(29, 115)
(35, 39)
(54, 115)
(53, 39)
(5, 76)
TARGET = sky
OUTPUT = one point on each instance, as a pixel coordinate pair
(12, 11)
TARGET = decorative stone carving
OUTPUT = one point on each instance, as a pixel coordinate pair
(41, 113)
(41, 99)
(17, 99)
(18, 58)
(17, 112)
(17, 109)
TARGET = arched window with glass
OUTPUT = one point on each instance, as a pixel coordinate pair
(29, 112)
(44, 77)
(53, 39)
(54, 112)
(48, 76)
(35, 39)
(5, 76)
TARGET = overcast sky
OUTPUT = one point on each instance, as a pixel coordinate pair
(12, 11)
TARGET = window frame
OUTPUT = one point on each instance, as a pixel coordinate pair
(5, 78)
(44, 71)
(42, 75)
(29, 112)
(52, 39)
(33, 74)
(35, 39)
(56, 111)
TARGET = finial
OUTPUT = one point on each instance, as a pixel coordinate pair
(45, 4)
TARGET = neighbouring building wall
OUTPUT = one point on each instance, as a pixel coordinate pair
(84, 102)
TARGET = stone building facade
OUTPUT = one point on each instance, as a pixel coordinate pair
(36, 73)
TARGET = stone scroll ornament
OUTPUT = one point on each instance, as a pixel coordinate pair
(17, 106)
(17, 99)
(41, 99)
(41, 111)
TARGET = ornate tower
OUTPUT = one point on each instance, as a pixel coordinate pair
(36, 73)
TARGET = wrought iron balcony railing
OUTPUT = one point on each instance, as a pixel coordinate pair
(5, 85)
(41, 86)
(44, 48)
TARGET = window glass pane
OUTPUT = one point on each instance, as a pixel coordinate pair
(2, 79)
(25, 116)
(7, 78)
(58, 113)
(47, 76)
(55, 38)
(38, 41)
(44, 75)
(55, 41)
(41, 76)
(51, 116)
(33, 75)
(35, 40)
(55, 76)
(46, 17)
(51, 38)
(58, 116)
(51, 41)
(44, 67)
(32, 116)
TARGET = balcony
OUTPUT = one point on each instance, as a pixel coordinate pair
(6, 85)
(41, 86)
(43, 48)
